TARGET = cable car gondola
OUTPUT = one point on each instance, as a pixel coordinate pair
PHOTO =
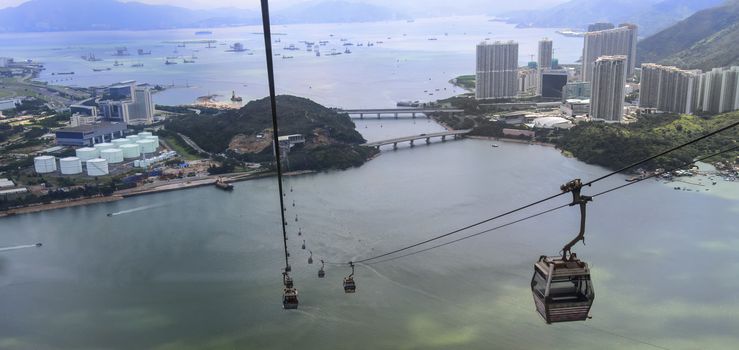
(561, 285)
(321, 273)
(290, 299)
(349, 285)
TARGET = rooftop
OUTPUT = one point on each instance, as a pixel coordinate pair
(92, 127)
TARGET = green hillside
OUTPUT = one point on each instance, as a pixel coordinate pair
(704, 40)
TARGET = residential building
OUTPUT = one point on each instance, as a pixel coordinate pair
(595, 27)
(619, 41)
(528, 81)
(608, 83)
(545, 54)
(668, 89)
(497, 70)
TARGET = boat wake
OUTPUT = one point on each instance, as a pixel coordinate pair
(128, 211)
(20, 247)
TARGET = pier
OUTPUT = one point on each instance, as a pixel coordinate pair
(443, 135)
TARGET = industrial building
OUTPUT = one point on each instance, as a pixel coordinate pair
(128, 103)
(497, 70)
(576, 90)
(88, 135)
(619, 41)
(575, 107)
(552, 82)
(609, 85)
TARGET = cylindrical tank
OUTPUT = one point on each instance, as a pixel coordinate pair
(104, 146)
(87, 153)
(153, 137)
(147, 146)
(44, 164)
(97, 167)
(120, 142)
(113, 155)
(132, 138)
(131, 150)
(144, 134)
(70, 165)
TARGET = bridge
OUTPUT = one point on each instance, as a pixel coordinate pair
(398, 111)
(443, 135)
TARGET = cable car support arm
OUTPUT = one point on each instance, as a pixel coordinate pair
(574, 187)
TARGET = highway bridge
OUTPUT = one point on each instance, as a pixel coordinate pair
(443, 135)
(395, 112)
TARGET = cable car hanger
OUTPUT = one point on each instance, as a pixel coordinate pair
(574, 187)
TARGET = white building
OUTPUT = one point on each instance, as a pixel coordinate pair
(619, 41)
(126, 102)
(609, 85)
(497, 70)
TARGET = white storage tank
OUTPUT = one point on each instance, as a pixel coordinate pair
(153, 137)
(131, 150)
(117, 143)
(113, 155)
(87, 153)
(70, 165)
(44, 164)
(144, 134)
(97, 167)
(132, 138)
(147, 146)
(104, 146)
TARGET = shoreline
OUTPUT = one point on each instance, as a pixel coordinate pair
(166, 187)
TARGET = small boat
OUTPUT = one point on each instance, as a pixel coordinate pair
(110, 214)
(224, 185)
(203, 32)
(495, 145)
(188, 61)
(116, 64)
(168, 62)
(235, 98)
(136, 65)
(142, 52)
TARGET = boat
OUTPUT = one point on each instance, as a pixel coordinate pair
(433, 39)
(101, 69)
(110, 214)
(116, 64)
(172, 57)
(137, 65)
(495, 145)
(224, 185)
(347, 50)
(188, 61)
(286, 57)
(235, 98)
(63, 73)
(203, 32)
(168, 62)
(142, 52)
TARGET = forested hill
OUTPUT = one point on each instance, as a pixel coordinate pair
(704, 40)
(331, 138)
(617, 145)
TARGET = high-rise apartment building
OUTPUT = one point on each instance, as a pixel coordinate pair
(545, 54)
(608, 88)
(126, 102)
(668, 89)
(600, 26)
(497, 70)
(618, 41)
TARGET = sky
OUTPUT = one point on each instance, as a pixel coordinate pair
(425, 7)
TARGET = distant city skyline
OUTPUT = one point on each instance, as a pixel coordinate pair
(423, 8)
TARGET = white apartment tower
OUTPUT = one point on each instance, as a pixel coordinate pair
(545, 54)
(619, 41)
(669, 89)
(608, 88)
(497, 70)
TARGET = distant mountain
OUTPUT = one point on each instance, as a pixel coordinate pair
(335, 12)
(74, 15)
(704, 40)
(650, 15)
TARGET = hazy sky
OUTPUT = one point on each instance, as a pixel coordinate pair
(408, 6)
